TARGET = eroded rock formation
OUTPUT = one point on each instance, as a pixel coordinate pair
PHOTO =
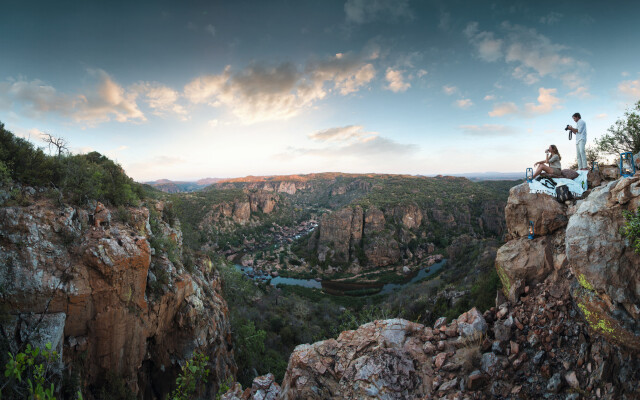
(92, 284)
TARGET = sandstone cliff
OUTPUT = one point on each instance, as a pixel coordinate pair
(91, 282)
(403, 233)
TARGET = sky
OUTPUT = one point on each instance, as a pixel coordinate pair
(191, 89)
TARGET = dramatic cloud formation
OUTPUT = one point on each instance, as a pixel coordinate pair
(396, 80)
(488, 130)
(260, 93)
(362, 11)
(534, 55)
(630, 90)
(502, 109)
(104, 101)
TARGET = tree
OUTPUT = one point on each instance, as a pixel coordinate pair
(60, 143)
(624, 135)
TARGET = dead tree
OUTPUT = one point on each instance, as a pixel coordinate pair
(60, 143)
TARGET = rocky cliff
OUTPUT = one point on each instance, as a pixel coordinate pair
(109, 290)
(583, 237)
(404, 233)
(565, 325)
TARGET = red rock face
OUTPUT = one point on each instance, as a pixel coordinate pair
(97, 278)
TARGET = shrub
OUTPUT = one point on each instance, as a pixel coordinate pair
(631, 229)
(32, 373)
(192, 378)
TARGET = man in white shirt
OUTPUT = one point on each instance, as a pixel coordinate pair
(581, 140)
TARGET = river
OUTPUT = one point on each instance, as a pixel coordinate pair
(343, 288)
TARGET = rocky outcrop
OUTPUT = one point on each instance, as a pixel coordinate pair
(538, 347)
(604, 263)
(547, 214)
(380, 359)
(585, 237)
(105, 296)
(373, 237)
(240, 210)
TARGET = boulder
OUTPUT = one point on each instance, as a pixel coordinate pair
(547, 214)
(472, 323)
(381, 358)
(523, 262)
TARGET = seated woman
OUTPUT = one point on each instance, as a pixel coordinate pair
(553, 159)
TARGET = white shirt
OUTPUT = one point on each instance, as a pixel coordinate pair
(582, 131)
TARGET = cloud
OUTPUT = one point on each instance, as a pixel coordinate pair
(396, 81)
(601, 116)
(532, 54)
(489, 97)
(161, 99)
(503, 109)
(464, 103)
(421, 73)
(581, 92)
(488, 130)
(552, 18)
(444, 23)
(210, 29)
(547, 102)
(213, 123)
(449, 90)
(489, 48)
(101, 102)
(350, 141)
(108, 100)
(343, 134)
(630, 89)
(363, 11)
(262, 93)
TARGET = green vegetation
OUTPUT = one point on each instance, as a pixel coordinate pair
(631, 229)
(623, 135)
(32, 373)
(193, 376)
(74, 178)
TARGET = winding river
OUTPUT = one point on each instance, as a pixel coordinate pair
(342, 288)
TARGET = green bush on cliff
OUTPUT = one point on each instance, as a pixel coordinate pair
(31, 373)
(193, 376)
(79, 177)
(631, 229)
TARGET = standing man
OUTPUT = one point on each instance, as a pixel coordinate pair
(581, 140)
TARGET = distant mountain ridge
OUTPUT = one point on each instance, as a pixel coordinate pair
(169, 186)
